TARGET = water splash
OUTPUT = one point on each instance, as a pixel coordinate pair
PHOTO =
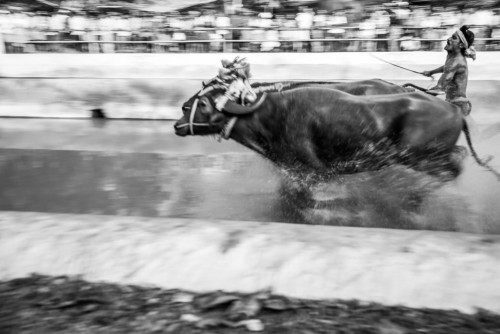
(395, 197)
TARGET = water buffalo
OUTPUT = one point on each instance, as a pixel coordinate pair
(323, 131)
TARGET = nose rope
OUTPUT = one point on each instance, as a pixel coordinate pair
(226, 131)
(191, 123)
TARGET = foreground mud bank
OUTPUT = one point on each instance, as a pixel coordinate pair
(48, 304)
(411, 268)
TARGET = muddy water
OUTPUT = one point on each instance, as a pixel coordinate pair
(130, 168)
(141, 168)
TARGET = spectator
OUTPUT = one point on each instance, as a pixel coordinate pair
(123, 32)
(495, 33)
(336, 33)
(409, 42)
(338, 19)
(320, 23)
(106, 33)
(208, 19)
(3, 29)
(452, 17)
(57, 26)
(92, 34)
(305, 18)
(320, 20)
(135, 23)
(382, 22)
(432, 36)
(16, 33)
(77, 29)
(163, 37)
(395, 34)
(271, 42)
(179, 37)
(222, 23)
(287, 32)
(256, 36)
(366, 33)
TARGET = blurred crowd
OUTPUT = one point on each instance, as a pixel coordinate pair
(395, 26)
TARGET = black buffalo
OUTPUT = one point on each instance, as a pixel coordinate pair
(323, 131)
(359, 87)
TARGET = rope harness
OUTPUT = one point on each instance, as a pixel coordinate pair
(233, 79)
(191, 123)
(226, 131)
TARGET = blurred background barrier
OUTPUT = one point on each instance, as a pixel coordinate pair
(155, 85)
(264, 66)
(273, 44)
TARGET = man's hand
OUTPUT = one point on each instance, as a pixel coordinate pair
(427, 73)
(436, 90)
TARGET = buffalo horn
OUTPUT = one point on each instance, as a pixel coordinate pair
(237, 109)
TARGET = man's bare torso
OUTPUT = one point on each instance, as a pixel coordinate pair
(455, 77)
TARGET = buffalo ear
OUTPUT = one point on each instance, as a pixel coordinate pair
(237, 109)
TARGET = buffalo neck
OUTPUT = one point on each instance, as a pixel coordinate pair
(256, 131)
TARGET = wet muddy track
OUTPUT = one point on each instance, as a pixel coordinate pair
(141, 168)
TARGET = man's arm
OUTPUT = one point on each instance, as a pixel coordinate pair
(440, 69)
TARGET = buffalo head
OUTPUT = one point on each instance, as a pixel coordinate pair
(202, 117)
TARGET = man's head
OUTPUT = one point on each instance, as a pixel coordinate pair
(461, 41)
(466, 36)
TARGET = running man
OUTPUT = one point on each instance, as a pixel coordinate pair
(453, 81)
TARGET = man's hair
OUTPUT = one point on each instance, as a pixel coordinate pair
(469, 35)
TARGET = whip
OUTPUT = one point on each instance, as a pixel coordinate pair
(404, 68)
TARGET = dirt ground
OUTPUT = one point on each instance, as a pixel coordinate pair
(42, 304)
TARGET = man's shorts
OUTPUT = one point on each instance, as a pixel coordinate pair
(464, 105)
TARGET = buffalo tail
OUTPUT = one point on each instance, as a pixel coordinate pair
(480, 162)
